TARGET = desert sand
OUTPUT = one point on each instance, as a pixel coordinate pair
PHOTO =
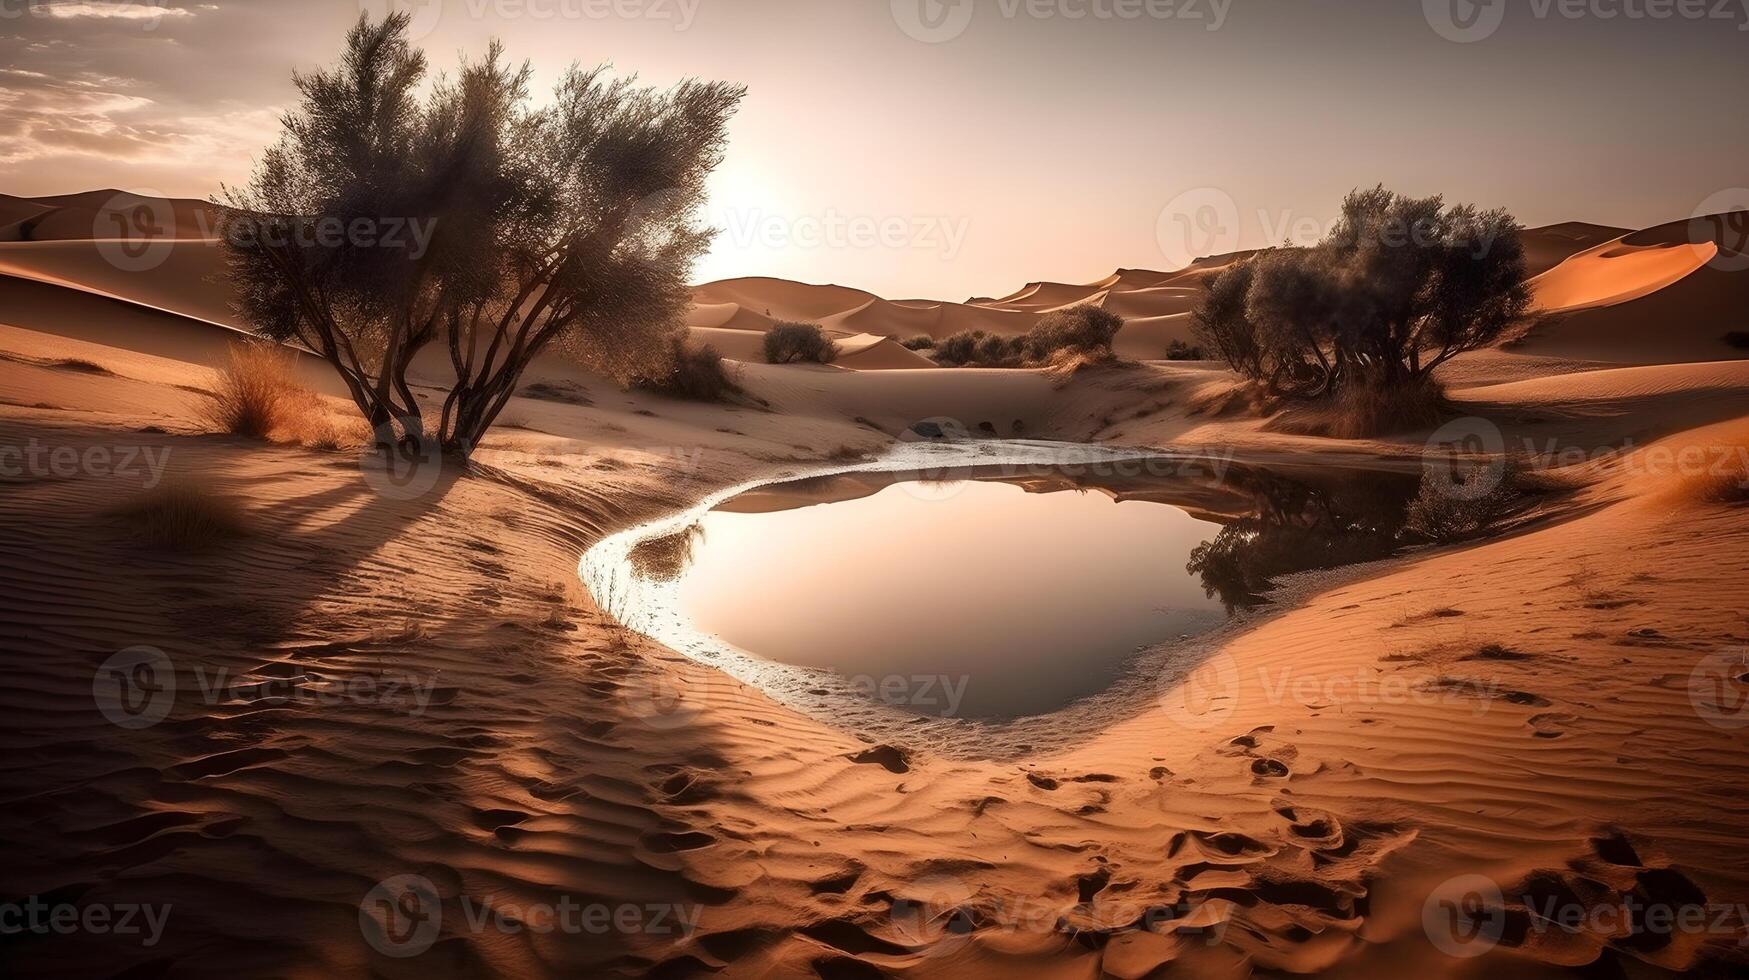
(1285, 795)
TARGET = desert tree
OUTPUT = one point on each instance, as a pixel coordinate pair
(1399, 286)
(393, 218)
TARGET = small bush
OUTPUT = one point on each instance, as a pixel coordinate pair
(1085, 329)
(663, 559)
(1064, 340)
(790, 342)
(1375, 409)
(258, 394)
(696, 373)
(1178, 350)
(1363, 411)
(978, 348)
(1738, 339)
(1715, 488)
(959, 348)
(1463, 507)
(1723, 480)
(995, 351)
(184, 516)
(920, 342)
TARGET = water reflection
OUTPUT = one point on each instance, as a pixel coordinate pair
(1001, 591)
(1296, 525)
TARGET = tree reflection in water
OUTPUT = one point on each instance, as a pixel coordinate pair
(1345, 517)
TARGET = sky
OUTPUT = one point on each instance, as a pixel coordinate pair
(955, 148)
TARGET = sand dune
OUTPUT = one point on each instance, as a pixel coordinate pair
(1286, 796)
(727, 316)
(781, 299)
(909, 318)
(1550, 245)
(872, 352)
(1040, 297)
(187, 277)
(104, 214)
(1147, 337)
(1668, 294)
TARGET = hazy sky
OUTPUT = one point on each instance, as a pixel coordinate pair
(948, 148)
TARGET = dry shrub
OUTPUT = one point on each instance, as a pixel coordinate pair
(1363, 411)
(1226, 400)
(1063, 364)
(662, 559)
(699, 375)
(1723, 480)
(1465, 506)
(976, 348)
(791, 342)
(695, 373)
(1715, 488)
(1082, 328)
(258, 396)
(184, 516)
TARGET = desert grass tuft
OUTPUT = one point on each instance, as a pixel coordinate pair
(184, 516)
(258, 396)
(1365, 411)
(1724, 479)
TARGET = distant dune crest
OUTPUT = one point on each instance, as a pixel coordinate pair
(1654, 296)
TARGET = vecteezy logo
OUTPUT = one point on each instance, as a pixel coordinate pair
(425, 14)
(1206, 696)
(135, 688)
(930, 479)
(401, 916)
(1465, 916)
(665, 702)
(1200, 222)
(1448, 461)
(401, 468)
(1724, 219)
(1465, 21)
(933, 21)
(135, 232)
(1718, 687)
(930, 915)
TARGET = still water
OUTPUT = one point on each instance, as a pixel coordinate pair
(1014, 601)
(980, 589)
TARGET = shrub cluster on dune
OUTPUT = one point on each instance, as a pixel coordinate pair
(1083, 333)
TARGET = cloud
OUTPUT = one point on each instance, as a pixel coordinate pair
(136, 88)
(66, 10)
